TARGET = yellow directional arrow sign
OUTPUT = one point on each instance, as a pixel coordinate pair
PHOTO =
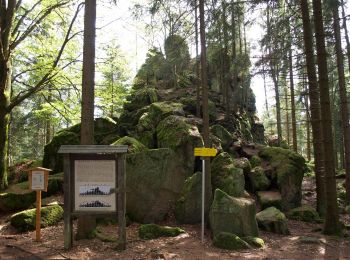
(205, 152)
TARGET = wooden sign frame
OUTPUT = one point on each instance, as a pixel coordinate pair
(46, 177)
(73, 153)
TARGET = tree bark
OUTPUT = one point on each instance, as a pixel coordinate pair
(332, 225)
(198, 99)
(292, 101)
(314, 108)
(287, 115)
(204, 77)
(343, 99)
(87, 224)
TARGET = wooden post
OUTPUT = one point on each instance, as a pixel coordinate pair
(121, 202)
(68, 224)
(37, 218)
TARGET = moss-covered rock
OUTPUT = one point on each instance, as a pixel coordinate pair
(273, 220)
(268, 199)
(290, 168)
(255, 160)
(154, 180)
(222, 133)
(254, 241)
(25, 220)
(234, 215)
(257, 179)
(226, 177)
(13, 201)
(229, 241)
(134, 146)
(304, 213)
(141, 98)
(152, 231)
(177, 133)
(242, 163)
(128, 120)
(188, 206)
(160, 110)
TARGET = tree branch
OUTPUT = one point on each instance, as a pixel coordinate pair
(49, 75)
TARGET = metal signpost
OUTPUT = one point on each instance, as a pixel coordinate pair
(204, 152)
(94, 184)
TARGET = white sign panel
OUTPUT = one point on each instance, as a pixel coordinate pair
(95, 185)
(38, 180)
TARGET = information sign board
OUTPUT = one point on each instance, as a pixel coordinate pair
(38, 180)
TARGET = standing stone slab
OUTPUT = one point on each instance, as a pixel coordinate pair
(233, 215)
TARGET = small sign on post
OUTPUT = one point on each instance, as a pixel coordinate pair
(38, 181)
(204, 152)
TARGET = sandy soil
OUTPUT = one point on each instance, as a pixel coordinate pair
(187, 246)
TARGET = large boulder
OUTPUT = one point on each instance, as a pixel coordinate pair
(141, 98)
(243, 163)
(104, 129)
(304, 213)
(134, 146)
(10, 201)
(273, 220)
(152, 231)
(25, 220)
(229, 241)
(188, 206)
(233, 215)
(290, 168)
(154, 180)
(222, 133)
(268, 199)
(177, 133)
(226, 177)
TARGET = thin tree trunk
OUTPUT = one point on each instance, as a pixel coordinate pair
(343, 99)
(292, 101)
(287, 115)
(234, 51)
(331, 225)
(208, 189)
(87, 224)
(314, 108)
(198, 102)
(225, 61)
(346, 33)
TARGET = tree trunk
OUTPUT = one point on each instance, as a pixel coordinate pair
(208, 189)
(343, 98)
(331, 225)
(234, 51)
(314, 108)
(4, 124)
(287, 114)
(87, 224)
(198, 99)
(292, 101)
(225, 61)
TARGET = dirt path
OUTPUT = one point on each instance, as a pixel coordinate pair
(298, 245)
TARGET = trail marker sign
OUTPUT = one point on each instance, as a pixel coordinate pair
(205, 152)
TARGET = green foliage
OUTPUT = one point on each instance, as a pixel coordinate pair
(152, 231)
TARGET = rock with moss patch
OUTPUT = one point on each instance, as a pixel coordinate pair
(304, 213)
(243, 163)
(134, 146)
(255, 160)
(154, 180)
(290, 168)
(13, 201)
(226, 177)
(152, 231)
(25, 220)
(273, 220)
(258, 180)
(268, 199)
(229, 241)
(177, 133)
(234, 215)
(160, 110)
(254, 241)
(188, 206)
(222, 133)
(141, 98)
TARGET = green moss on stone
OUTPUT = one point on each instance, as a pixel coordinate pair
(304, 213)
(13, 201)
(255, 161)
(272, 220)
(25, 220)
(222, 133)
(160, 110)
(254, 241)
(134, 146)
(141, 98)
(229, 241)
(242, 163)
(152, 231)
(268, 199)
(258, 180)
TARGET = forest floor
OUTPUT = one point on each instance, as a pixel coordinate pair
(305, 242)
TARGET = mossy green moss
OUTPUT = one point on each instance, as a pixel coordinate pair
(13, 201)
(152, 231)
(134, 145)
(258, 180)
(273, 220)
(254, 241)
(255, 161)
(25, 220)
(160, 110)
(304, 213)
(242, 163)
(222, 133)
(141, 98)
(229, 241)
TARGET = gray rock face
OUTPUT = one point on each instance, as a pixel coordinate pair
(233, 215)
(272, 220)
(154, 180)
